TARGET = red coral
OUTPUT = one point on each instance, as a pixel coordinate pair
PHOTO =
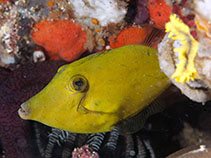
(61, 38)
(159, 12)
(4, 1)
(132, 35)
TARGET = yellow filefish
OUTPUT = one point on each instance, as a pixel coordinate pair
(97, 92)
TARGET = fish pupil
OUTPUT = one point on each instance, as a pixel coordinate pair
(79, 83)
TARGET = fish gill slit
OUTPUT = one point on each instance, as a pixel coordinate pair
(81, 107)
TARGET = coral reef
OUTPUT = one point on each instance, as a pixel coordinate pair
(4, 1)
(17, 19)
(91, 16)
(185, 46)
(167, 64)
(203, 28)
(188, 50)
(22, 17)
(63, 39)
(103, 12)
(159, 12)
(105, 24)
(203, 8)
(131, 35)
(142, 13)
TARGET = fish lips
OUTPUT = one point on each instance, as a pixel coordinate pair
(24, 111)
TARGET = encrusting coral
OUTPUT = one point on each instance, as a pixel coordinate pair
(142, 13)
(38, 17)
(203, 28)
(179, 56)
(159, 12)
(4, 1)
(63, 39)
(104, 12)
(84, 152)
(131, 35)
(17, 19)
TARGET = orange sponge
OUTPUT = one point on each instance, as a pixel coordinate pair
(4, 1)
(61, 38)
(159, 12)
(131, 35)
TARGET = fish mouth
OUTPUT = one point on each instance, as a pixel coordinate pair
(24, 111)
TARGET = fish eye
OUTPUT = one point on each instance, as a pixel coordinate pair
(78, 83)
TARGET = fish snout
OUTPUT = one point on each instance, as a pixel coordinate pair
(24, 111)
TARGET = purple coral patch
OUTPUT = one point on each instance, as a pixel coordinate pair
(84, 152)
(142, 13)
